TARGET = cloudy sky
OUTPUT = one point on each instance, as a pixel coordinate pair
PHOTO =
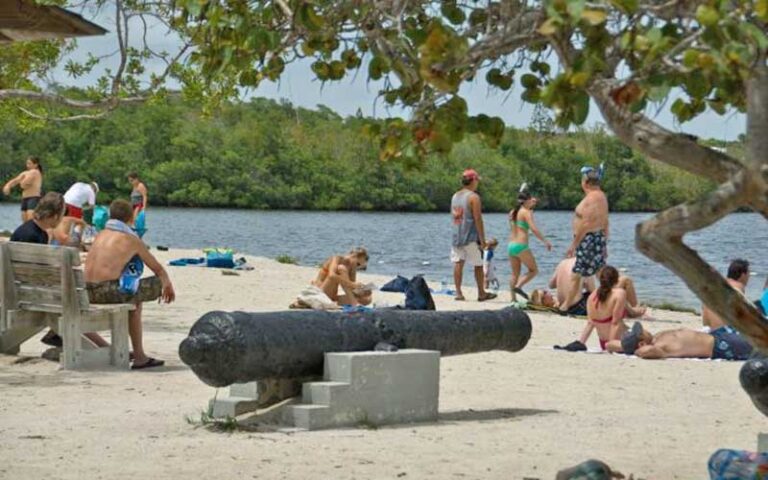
(354, 92)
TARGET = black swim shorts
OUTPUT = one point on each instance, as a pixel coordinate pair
(590, 254)
(29, 203)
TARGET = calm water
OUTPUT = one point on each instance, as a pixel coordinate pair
(411, 243)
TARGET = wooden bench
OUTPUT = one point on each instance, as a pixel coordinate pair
(43, 286)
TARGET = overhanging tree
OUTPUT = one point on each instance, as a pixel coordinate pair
(623, 54)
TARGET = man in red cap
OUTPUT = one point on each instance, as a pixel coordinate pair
(468, 234)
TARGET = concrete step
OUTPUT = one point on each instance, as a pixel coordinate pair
(309, 417)
(323, 393)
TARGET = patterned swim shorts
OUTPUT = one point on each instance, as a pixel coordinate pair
(590, 254)
(729, 344)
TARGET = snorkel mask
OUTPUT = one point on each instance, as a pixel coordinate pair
(599, 172)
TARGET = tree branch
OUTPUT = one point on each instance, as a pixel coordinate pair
(655, 141)
(661, 240)
(9, 94)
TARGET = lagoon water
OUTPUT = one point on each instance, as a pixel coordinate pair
(412, 243)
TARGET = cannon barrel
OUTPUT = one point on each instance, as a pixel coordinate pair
(237, 347)
(754, 380)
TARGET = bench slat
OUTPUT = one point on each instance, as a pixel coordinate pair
(38, 254)
(43, 274)
(48, 295)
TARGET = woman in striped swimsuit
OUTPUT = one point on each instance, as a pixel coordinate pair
(520, 222)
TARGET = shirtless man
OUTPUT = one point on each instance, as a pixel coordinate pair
(561, 280)
(737, 277)
(112, 250)
(31, 183)
(722, 343)
(590, 234)
(341, 271)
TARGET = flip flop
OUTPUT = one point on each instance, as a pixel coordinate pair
(520, 292)
(150, 363)
(459, 298)
(488, 296)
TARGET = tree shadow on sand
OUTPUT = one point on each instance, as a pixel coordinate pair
(472, 415)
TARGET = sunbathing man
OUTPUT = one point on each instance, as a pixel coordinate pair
(737, 277)
(341, 271)
(721, 343)
(112, 271)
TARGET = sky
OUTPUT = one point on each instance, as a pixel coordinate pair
(354, 92)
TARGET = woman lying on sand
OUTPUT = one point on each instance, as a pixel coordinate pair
(607, 307)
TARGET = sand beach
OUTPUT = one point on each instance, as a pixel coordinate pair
(503, 415)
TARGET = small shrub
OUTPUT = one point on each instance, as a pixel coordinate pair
(287, 259)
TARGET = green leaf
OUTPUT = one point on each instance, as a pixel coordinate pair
(530, 80)
(575, 7)
(549, 27)
(580, 108)
(707, 15)
(761, 10)
(756, 34)
(594, 17)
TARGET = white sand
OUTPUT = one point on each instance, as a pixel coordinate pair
(502, 415)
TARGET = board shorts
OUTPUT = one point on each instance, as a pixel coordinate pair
(514, 249)
(73, 211)
(29, 203)
(469, 253)
(730, 344)
(150, 288)
(580, 307)
(590, 254)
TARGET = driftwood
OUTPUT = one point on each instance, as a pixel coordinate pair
(237, 347)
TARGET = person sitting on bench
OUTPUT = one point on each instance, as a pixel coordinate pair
(113, 275)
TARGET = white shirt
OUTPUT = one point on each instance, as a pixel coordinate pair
(80, 194)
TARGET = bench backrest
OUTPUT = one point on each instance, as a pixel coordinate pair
(41, 278)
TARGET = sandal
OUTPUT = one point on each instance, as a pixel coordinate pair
(520, 292)
(487, 296)
(459, 298)
(150, 363)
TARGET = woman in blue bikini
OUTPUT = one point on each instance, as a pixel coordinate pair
(521, 222)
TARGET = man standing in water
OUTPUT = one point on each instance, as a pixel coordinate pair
(468, 234)
(590, 234)
(31, 183)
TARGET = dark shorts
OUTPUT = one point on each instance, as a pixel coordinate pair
(730, 344)
(590, 254)
(580, 307)
(29, 203)
(150, 289)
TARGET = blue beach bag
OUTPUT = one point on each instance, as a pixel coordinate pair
(219, 257)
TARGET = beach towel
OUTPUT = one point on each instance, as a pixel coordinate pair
(100, 217)
(219, 257)
(131, 275)
(140, 223)
(313, 297)
(183, 262)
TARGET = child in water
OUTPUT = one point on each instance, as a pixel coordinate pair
(489, 269)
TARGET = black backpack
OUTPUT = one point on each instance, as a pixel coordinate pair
(417, 295)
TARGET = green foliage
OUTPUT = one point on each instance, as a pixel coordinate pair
(286, 259)
(268, 154)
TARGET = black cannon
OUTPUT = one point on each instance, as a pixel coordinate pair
(237, 347)
(754, 380)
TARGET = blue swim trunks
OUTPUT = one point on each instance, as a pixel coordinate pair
(730, 344)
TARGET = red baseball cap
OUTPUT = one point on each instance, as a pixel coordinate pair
(471, 173)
